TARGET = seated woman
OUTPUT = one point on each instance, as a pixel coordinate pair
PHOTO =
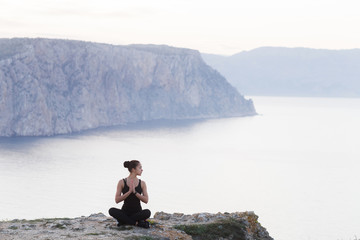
(131, 190)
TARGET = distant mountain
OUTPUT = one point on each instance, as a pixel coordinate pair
(292, 71)
(52, 87)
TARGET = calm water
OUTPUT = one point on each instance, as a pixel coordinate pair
(296, 165)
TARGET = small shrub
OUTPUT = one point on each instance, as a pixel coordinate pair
(122, 227)
(47, 220)
(227, 228)
(152, 222)
(59, 226)
(141, 238)
(95, 234)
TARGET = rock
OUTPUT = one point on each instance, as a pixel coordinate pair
(96, 217)
(201, 217)
(162, 216)
(98, 226)
(52, 86)
(178, 215)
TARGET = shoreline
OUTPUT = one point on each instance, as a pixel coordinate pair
(162, 226)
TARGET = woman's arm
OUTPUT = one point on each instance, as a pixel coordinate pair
(118, 196)
(145, 197)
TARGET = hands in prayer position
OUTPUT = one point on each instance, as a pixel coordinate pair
(132, 186)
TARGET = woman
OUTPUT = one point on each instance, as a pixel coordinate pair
(131, 190)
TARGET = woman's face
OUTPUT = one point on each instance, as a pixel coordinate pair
(138, 169)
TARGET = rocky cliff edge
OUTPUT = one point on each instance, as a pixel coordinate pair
(237, 225)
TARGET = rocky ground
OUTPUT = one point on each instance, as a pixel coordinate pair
(243, 225)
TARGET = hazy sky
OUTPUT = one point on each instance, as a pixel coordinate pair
(222, 27)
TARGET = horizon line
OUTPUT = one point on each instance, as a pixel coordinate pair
(182, 47)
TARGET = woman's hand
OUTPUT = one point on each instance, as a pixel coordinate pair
(131, 186)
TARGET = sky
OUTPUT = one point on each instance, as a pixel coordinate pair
(221, 27)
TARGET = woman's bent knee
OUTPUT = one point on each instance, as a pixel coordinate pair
(147, 213)
(112, 211)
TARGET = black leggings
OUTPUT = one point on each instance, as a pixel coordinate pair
(124, 218)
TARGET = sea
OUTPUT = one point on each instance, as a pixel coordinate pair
(296, 165)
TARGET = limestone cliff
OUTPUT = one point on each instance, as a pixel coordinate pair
(52, 86)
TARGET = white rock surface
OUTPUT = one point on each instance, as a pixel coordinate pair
(99, 226)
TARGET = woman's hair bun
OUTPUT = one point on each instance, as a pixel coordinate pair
(131, 164)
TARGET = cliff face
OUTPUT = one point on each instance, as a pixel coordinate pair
(59, 86)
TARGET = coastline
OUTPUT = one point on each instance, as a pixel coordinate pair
(162, 226)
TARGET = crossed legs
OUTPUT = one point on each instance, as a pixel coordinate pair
(123, 218)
